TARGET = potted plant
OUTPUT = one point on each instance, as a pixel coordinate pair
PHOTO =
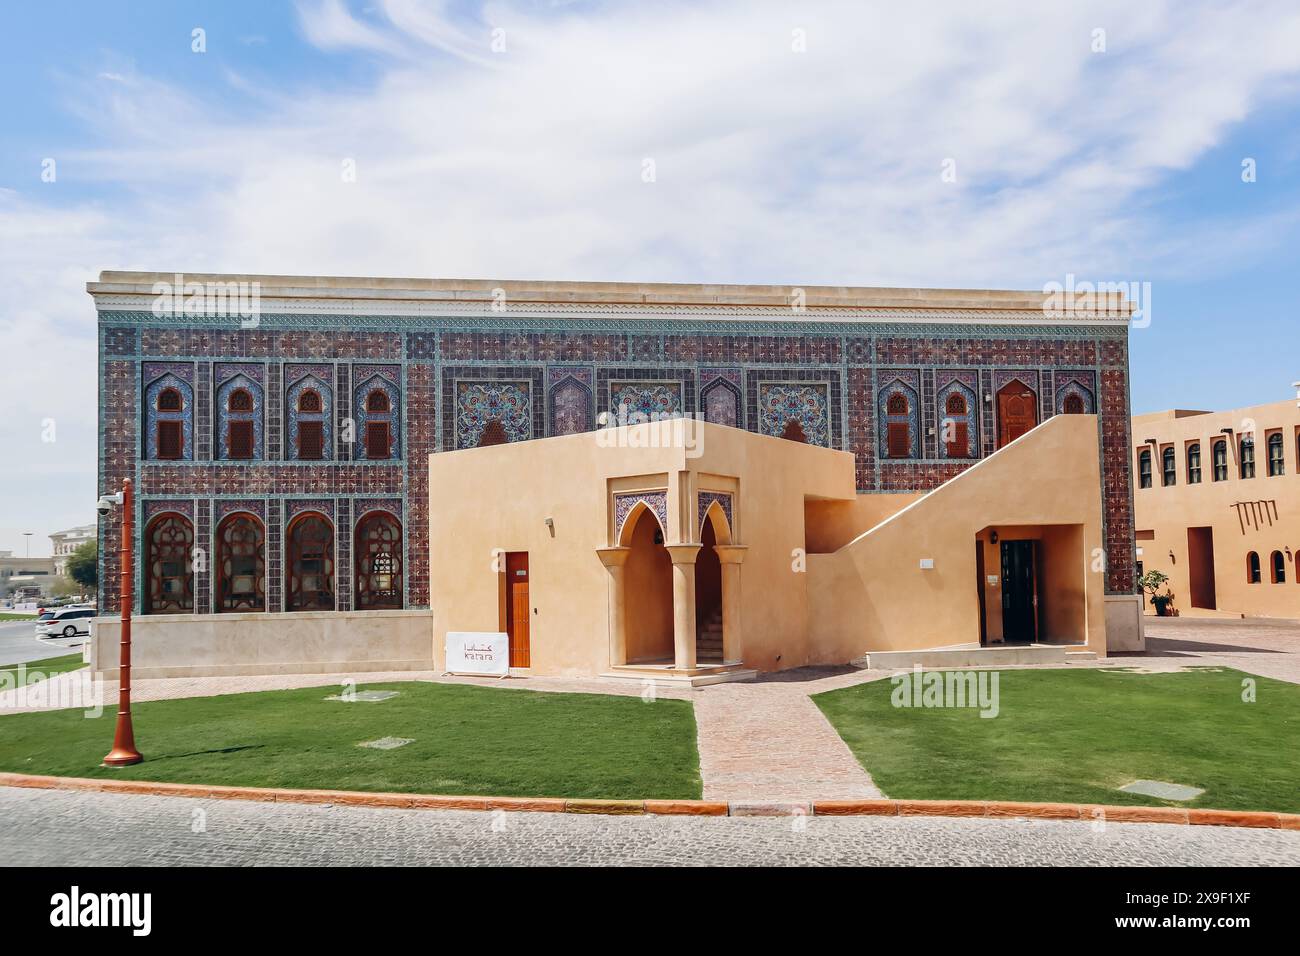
(1151, 582)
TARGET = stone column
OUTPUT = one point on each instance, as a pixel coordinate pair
(683, 556)
(614, 560)
(730, 556)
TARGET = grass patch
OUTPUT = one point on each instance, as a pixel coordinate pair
(33, 671)
(1075, 736)
(8, 616)
(468, 740)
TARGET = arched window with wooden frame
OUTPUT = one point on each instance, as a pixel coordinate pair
(1247, 449)
(375, 401)
(241, 563)
(1276, 463)
(377, 559)
(1168, 466)
(1219, 454)
(169, 400)
(309, 569)
(239, 419)
(898, 424)
(1144, 468)
(1252, 568)
(1073, 404)
(310, 408)
(1194, 463)
(1277, 567)
(169, 415)
(168, 564)
(957, 428)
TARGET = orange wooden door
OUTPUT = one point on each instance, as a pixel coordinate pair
(518, 608)
(1017, 412)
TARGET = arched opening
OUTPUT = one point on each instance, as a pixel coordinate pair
(240, 400)
(1277, 563)
(1073, 404)
(309, 401)
(1252, 568)
(708, 597)
(309, 572)
(377, 401)
(169, 400)
(494, 433)
(241, 564)
(169, 572)
(378, 562)
(793, 431)
(648, 583)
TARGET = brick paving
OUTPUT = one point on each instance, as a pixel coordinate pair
(1269, 647)
(60, 828)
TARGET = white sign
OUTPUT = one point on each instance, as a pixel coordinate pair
(478, 652)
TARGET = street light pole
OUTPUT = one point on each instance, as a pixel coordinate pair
(124, 753)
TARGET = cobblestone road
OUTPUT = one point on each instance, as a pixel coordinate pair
(44, 827)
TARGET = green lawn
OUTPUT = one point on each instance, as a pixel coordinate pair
(468, 740)
(1075, 736)
(39, 670)
(8, 616)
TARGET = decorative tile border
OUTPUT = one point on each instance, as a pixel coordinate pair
(656, 501)
(706, 500)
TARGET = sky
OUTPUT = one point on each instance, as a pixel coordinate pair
(998, 145)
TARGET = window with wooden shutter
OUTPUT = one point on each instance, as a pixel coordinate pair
(959, 445)
(169, 400)
(239, 439)
(171, 440)
(377, 401)
(899, 442)
(311, 441)
(377, 446)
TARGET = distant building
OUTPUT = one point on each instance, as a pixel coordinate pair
(1218, 507)
(63, 543)
(31, 572)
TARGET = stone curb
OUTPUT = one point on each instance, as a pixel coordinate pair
(989, 809)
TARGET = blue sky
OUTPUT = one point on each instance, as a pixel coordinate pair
(791, 145)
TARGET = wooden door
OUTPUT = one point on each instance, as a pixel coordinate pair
(1017, 412)
(518, 609)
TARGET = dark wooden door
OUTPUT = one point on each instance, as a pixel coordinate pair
(1019, 594)
(518, 608)
(1017, 412)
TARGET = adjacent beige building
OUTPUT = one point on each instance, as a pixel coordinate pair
(1217, 498)
(63, 543)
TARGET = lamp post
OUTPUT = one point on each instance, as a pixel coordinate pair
(124, 753)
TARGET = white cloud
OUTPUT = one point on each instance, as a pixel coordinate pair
(772, 165)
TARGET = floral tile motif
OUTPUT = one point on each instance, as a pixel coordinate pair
(479, 403)
(169, 377)
(706, 499)
(656, 501)
(237, 380)
(639, 401)
(805, 404)
(376, 379)
(956, 405)
(898, 406)
(157, 506)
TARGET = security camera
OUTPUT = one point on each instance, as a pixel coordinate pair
(104, 506)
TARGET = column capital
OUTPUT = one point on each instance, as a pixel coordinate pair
(683, 553)
(731, 553)
(613, 557)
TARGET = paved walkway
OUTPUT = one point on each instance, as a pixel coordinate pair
(765, 740)
(59, 828)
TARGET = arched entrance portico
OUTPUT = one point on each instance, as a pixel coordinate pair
(647, 579)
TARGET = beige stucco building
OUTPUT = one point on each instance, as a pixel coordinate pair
(1218, 507)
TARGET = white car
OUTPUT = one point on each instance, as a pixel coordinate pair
(65, 622)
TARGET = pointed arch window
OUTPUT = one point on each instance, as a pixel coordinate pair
(310, 567)
(169, 409)
(169, 572)
(241, 563)
(378, 562)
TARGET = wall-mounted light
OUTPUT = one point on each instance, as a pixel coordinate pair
(1172, 559)
(927, 564)
(550, 525)
(1287, 549)
(993, 538)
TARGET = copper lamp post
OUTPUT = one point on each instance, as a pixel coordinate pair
(124, 753)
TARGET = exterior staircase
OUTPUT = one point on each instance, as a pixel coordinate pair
(708, 639)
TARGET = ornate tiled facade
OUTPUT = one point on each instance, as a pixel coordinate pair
(448, 376)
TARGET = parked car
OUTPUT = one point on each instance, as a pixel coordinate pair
(65, 622)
